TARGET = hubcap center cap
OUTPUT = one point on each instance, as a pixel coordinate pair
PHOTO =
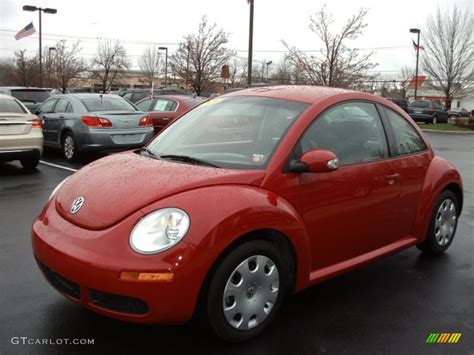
(250, 292)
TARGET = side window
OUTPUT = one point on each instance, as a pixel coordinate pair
(127, 96)
(47, 107)
(69, 108)
(143, 105)
(61, 106)
(353, 131)
(174, 106)
(407, 139)
(162, 105)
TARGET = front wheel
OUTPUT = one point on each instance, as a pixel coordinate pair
(435, 119)
(442, 226)
(246, 291)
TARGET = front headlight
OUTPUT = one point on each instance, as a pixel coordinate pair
(159, 231)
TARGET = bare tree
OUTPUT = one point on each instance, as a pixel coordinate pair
(449, 51)
(200, 56)
(110, 60)
(336, 64)
(7, 70)
(149, 63)
(26, 69)
(283, 73)
(237, 72)
(66, 64)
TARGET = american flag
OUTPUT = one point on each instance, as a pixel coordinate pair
(25, 32)
(416, 46)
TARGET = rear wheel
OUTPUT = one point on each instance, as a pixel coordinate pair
(69, 148)
(30, 162)
(435, 119)
(443, 224)
(246, 291)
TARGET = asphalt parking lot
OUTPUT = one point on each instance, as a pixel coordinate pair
(388, 307)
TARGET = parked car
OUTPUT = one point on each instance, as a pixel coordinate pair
(79, 123)
(400, 102)
(243, 200)
(135, 95)
(458, 112)
(21, 136)
(32, 98)
(428, 112)
(165, 109)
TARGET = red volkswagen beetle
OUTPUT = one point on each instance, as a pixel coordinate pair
(245, 199)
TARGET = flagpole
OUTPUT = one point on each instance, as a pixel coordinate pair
(40, 53)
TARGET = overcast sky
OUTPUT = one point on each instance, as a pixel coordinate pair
(139, 22)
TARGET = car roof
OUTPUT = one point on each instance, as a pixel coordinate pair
(85, 96)
(23, 88)
(8, 97)
(302, 93)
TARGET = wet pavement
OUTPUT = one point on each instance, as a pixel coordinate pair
(388, 307)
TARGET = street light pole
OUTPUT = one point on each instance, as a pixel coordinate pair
(417, 31)
(249, 70)
(50, 66)
(166, 63)
(40, 10)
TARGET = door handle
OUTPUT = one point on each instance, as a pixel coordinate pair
(61, 117)
(392, 179)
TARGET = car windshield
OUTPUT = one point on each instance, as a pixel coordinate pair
(10, 106)
(421, 104)
(231, 132)
(94, 104)
(31, 95)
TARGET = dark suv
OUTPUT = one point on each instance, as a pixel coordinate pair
(32, 98)
(400, 102)
(135, 95)
(428, 112)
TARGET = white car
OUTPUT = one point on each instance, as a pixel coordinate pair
(21, 133)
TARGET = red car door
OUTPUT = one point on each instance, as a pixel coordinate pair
(413, 160)
(354, 209)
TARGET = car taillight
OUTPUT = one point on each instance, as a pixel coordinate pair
(97, 122)
(430, 111)
(36, 123)
(146, 121)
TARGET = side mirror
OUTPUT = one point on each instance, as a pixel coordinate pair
(319, 161)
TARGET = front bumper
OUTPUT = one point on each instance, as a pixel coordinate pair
(103, 139)
(85, 266)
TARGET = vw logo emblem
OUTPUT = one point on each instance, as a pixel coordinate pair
(77, 204)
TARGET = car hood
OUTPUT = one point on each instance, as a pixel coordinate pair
(116, 186)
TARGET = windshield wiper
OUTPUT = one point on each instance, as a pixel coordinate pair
(187, 159)
(149, 152)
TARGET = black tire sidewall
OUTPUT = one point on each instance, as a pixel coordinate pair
(30, 163)
(430, 243)
(213, 300)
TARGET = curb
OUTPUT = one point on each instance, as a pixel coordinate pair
(447, 132)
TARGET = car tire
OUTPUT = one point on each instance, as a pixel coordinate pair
(30, 163)
(69, 147)
(254, 278)
(434, 120)
(443, 224)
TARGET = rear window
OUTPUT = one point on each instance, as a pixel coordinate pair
(94, 104)
(10, 106)
(422, 104)
(31, 95)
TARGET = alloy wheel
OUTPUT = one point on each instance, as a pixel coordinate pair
(445, 222)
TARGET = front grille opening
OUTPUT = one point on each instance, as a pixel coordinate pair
(60, 283)
(118, 303)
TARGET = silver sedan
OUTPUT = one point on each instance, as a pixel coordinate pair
(21, 137)
(79, 123)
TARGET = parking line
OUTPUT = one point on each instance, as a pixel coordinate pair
(57, 166)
